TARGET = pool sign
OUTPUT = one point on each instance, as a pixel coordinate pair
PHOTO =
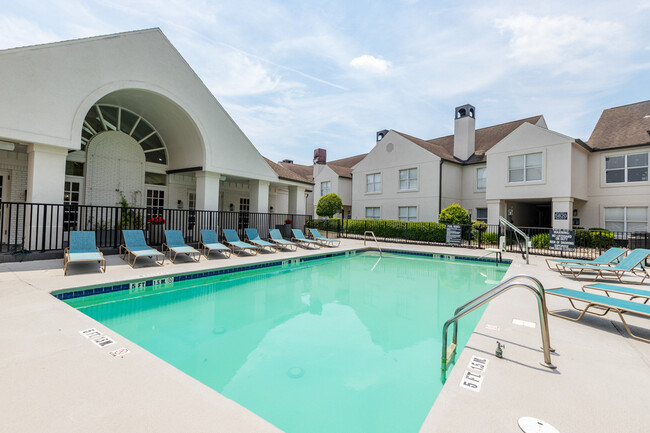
(119, 352)
(477, 363)
(97, 337)
(562, 240)
(471, 381)
(454, 234)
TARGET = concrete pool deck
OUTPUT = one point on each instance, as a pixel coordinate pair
(54, 379)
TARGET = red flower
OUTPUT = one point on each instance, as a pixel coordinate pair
(287, 221)
(156, 220)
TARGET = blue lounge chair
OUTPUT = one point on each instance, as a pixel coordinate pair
(602, 304)
(612, 255)
(300, 238)
(135, 245)
(633, 293)
(324, 241)
(232, 238)
(82, 249)
(210, 242)
(176, 244)
(276, 237)
(254, 238)
(632, 264)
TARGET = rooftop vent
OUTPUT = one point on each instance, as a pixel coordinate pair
(288, 161)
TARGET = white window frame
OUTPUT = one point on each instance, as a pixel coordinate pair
(478, 178)
(329, 187)
(408, 216)
(378, 216)
(625, 220)
(625, 169)
(409, 180)
(526, 168)
(376, 184)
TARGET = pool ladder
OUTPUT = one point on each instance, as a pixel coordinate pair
(448, 352)
(374, 237)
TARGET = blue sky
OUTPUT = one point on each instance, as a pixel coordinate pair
(300, 75)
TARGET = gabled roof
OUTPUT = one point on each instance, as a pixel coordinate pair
(485, 139)
(295, 172)
(343, 167)
(628, 125)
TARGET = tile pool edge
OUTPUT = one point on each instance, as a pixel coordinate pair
(77, 292)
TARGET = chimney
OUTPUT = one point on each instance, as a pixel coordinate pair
(288, 161)
(464, 132)
(381, 134)
(320, 156)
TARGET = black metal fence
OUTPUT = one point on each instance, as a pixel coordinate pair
(42, 227)
(588, 243)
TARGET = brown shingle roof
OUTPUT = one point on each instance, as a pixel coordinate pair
(343, 167)
(296, 172)
(485, 139)
(622, 126)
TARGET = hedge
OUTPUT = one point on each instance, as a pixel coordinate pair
(411, 230)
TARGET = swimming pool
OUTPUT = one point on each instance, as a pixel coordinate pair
(339, 344)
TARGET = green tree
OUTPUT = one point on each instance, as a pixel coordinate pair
(454, 214)
(328, 205)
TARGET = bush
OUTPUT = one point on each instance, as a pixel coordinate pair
(454, 214)
(488, 238)
(540, 241)
(603, 239)
(583, 238)
(328, 205)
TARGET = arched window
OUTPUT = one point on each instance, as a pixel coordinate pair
(103, 117)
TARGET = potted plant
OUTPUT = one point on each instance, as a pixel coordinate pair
(155, 226)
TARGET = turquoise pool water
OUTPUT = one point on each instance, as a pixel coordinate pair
(345, 344)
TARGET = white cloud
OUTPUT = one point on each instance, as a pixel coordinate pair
(372, 64)
(562, 41)
(18, 32)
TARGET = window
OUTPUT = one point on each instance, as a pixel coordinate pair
(525, 168)
(155, 178)
(408, 213)
(73, 168)
(325, 188)
(480, 178)
(71, 198)
(481, 214)
(156, 200)
(408, 179)
(626, 168)
(372, 213)
(626, 219)
(373, 182)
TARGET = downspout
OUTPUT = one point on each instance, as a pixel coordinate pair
(440, 189)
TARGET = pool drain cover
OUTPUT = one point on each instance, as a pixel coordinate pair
(532, 425)
(295, 372)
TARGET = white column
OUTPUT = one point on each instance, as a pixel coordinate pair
(207, 190)
(259, 195)
(45, 173)
(562, 213)
(297, 200)
(45, 184)
(495, 210)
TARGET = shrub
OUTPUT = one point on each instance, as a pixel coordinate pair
(540, 241)
(454, 214)
(583, 238)
(603, 239)
(488, 238)
(328, 205)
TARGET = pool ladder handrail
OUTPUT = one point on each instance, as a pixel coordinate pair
(518, 231)
(487, 296)
(374, 237)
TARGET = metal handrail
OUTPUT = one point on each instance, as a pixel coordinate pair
(516, 229)
(487, 297)
(374, 237)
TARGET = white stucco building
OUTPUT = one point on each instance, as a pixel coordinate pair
(520, 170)
(92, 120)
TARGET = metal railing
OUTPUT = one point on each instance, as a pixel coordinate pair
(44, 227)
(448, 352)
(514, 228)
(589, 244)
(374, 237)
